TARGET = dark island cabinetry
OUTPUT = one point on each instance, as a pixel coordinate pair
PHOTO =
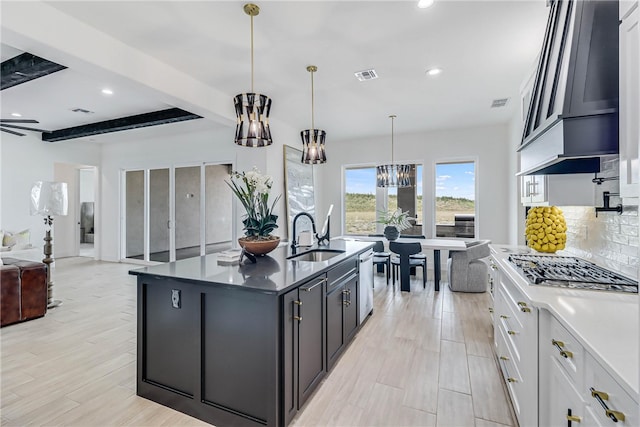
(304, 332)
(342, 309)
(244, 345)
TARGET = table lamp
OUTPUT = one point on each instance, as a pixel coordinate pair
(49, 199)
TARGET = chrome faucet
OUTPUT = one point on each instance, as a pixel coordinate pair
(295, 219)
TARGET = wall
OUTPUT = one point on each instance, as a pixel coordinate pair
(25, 160)
(488, 146)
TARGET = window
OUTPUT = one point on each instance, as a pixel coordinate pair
(362, 200)
(455, 206)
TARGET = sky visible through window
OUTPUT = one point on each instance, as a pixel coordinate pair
(363, 181)
(456, 180)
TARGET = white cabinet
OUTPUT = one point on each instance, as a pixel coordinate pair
(629, 99)
(558, 190)
(574, 387)
(516, 343)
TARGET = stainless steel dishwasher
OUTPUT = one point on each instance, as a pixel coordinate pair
(365, 285)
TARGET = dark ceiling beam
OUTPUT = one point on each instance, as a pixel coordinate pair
(25, 67)
(155, 118)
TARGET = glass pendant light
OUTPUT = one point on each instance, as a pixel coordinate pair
(313, 139)
(252, 109)
(392, 175)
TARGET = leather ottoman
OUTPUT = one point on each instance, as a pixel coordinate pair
(23, 289)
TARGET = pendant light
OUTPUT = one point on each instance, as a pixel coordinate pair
(313, 139)
(252, 109)
(392, 175)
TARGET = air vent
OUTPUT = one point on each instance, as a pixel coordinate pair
(366, 75)
(497, 103)
(82, 110)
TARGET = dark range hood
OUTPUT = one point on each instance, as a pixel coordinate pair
(573, 116)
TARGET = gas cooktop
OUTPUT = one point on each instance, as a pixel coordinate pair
(570, 272)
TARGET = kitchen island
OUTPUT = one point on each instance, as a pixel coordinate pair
(245, 344)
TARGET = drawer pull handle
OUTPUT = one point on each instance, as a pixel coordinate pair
(522, 304)
(298, 318)
(502, 316)
(509, 378)
(511, 332)
(560, 346)
(601, 396)
(525, 309)
(572, 418)
(490, 309)
(316, 284)
(297, 302)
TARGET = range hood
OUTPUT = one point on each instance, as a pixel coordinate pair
(572, 119)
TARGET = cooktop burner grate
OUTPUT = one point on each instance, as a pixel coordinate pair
(570, 272)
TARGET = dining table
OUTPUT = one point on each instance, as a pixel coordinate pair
(436, 245)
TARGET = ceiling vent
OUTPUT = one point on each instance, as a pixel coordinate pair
(497, 103)
(366, 75)
(82, 110)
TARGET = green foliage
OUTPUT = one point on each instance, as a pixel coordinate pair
(252, 189)
(396, 218)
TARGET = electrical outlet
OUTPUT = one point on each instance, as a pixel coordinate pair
(175, 298)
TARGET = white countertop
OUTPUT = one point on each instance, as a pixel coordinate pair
(605, 323)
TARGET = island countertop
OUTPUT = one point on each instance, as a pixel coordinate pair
(273, 273)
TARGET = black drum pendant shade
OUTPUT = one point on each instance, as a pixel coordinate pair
(313, 139)
(252, 109)
(392, 175)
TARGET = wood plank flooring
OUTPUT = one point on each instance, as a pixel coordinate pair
(423, 359)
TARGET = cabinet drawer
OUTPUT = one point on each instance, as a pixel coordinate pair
(618, 402)
(337, 274)
(563, 347)
(510, 373)
(519, 305)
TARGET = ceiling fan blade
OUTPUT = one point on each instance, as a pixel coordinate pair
(10, 131)
(24, 128)
(18, 121)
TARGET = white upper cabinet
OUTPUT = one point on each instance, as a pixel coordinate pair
(629, 98)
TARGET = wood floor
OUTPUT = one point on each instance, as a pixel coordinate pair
(422, 359)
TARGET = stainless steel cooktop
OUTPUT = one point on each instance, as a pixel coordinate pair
(570, 272)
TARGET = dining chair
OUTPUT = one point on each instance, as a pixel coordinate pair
(415, 256)
(382, 258)
(404, 262)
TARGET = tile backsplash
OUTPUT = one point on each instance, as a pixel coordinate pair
(610, 240)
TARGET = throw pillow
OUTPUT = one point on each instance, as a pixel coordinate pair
(20, 239)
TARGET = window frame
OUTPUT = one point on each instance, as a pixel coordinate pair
(449, 160)
(381, 204)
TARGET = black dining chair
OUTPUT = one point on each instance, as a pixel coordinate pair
(382, 258)
(415, 256)
(404, 262)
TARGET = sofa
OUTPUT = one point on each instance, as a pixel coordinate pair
(23, 290)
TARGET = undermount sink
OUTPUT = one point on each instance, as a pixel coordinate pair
(316, 255)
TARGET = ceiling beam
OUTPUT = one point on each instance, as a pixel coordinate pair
(25, 67)
(155, 118)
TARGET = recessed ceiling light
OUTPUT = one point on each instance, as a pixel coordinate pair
(434, 71)
(107, 91)
(16, 114)
(423, 4)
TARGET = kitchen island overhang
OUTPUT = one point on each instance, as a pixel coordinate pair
(212, 338)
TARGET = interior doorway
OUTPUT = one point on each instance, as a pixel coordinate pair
(87, 212)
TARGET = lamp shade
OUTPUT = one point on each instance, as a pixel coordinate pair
(49, 198)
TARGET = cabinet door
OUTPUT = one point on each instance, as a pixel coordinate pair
(565, 405)
(311, 358)
(629, 112)
(290, 354)
(350, 316)
(335, 302)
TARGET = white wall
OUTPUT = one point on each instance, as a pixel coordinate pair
(25, 160)
(489, 146)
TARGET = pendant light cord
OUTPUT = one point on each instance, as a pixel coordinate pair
(312, 122)
(252, 53)
(392, 117)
